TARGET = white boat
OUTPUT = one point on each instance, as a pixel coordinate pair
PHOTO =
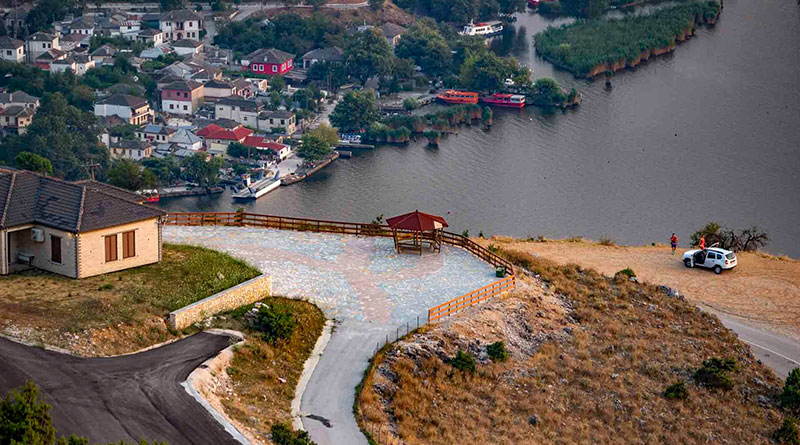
(485, 29)
(258, 188)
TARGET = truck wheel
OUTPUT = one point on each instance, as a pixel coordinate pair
(687, 262)
(717, 270)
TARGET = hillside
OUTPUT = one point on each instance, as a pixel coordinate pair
(589, 360)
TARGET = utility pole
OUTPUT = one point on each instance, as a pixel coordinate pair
(90, 166)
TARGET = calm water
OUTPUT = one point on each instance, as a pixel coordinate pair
(711, 132)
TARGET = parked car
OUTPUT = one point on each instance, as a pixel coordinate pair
(713, 258)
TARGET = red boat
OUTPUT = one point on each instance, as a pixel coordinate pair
(505, 100)
(458, 97)
(533, 3)
(149, 195)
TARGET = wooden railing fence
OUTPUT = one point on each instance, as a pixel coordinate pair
(243, 219)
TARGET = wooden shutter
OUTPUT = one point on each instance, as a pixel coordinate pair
(55, 249)
(111, 248)
(128, 244)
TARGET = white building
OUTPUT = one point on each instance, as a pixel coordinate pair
(187, 46)
(39, 43)
(180, 24)
(238, 109)
(11, 49)
(158, 134)
(135, 150)
(134, 110)
(78, 64)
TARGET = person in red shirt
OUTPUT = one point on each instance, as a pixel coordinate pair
(702, 243)
(673, 241)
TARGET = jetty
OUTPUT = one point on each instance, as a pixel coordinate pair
(173, 192)
(303, 173)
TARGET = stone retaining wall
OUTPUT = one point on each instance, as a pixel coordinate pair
(240, 295)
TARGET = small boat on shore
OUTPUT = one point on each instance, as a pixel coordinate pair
(149, 195)
(258, 188)
(505, 100)
(485, 29)
(458, 97)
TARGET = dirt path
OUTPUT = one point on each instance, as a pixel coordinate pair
(762, 291)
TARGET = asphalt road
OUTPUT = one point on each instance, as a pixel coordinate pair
(128, 398)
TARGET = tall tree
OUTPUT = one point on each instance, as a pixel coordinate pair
(25, 418)
(202, 170)
(34, 163)
(355, 112)
(169, 5)
(425, 45)
(314, 148)
(368, 54)
(65, 135)
(129, 175)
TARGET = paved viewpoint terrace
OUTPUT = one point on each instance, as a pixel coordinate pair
(348, 277)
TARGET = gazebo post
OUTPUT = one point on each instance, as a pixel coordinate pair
(396, 244)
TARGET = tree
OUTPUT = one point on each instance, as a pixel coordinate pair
(326, 133)
(547, 92)
(169, 5)
(45, 12)
(368, 54)
(34, 163)
(314, 149)
(790, 398)
(25, 418)
(584, 8)
(203, 171)
(485, 71)
(65, 135)
(355, 112)
(330, 75)
(166, 169)
(129, 175)
(376, 5)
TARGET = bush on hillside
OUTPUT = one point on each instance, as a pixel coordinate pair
(463, 361)
(497, 351)
(714, 373)
(627, 272)
(275, 323)
(788, 432)
(677, 391)
(281, 434)
(790, 398)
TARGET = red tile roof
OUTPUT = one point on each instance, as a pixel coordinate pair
(262, 142)
(417, 221)
(214, 131)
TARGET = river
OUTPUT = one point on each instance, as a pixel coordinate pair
(711, 132)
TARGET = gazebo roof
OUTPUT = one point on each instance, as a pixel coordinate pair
(417, 221)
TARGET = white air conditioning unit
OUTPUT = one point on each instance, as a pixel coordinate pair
(37, 235)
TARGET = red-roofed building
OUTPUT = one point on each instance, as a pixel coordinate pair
(262, 143)
(218, 138)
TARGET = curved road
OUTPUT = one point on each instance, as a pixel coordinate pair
(121, 398)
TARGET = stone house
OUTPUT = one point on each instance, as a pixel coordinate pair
(16, 119)
(180, 24)
(11, 49)
(277, 121)
(333, 54)
(134, 110)
(182, 97)
(134, 150)
(39, 43)
(238, 109)
(73, 229)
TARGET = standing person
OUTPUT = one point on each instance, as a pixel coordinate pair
(673, 241)
(702, 243)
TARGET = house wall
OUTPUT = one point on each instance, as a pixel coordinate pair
(189, 29)
(13, 55)
(22, 242)
(218, 93)
(271, 68)
(105, 110)
(234, 113)
(91, 248)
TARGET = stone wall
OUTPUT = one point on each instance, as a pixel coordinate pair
(240, 295)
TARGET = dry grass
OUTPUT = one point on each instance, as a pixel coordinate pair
(118, 312)
(763, 290)
(590, 358)
(253, 393)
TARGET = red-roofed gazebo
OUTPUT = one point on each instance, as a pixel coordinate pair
(417, 230)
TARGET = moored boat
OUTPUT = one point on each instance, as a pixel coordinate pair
(258, 188)
(458, 97)
(485, 29)
(505, 100)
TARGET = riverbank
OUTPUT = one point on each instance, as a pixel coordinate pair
(591, 48)
(763, 289)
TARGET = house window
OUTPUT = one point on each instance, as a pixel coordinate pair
(171, 106)
(185, 107)
(55, 249)
(274, 68)
(111, 248)
(128, 244)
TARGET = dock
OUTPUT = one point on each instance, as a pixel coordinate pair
(174, 192)
(299, 176)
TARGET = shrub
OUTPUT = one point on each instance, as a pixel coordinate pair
(606, 241)
(107, 286)
(281, 434)
(275, 323)
(788, 432)
(628, 272)
(790, 398)
(463, 361)
(714, 373)
(497, 351)
(465, 233)
(676, 391)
